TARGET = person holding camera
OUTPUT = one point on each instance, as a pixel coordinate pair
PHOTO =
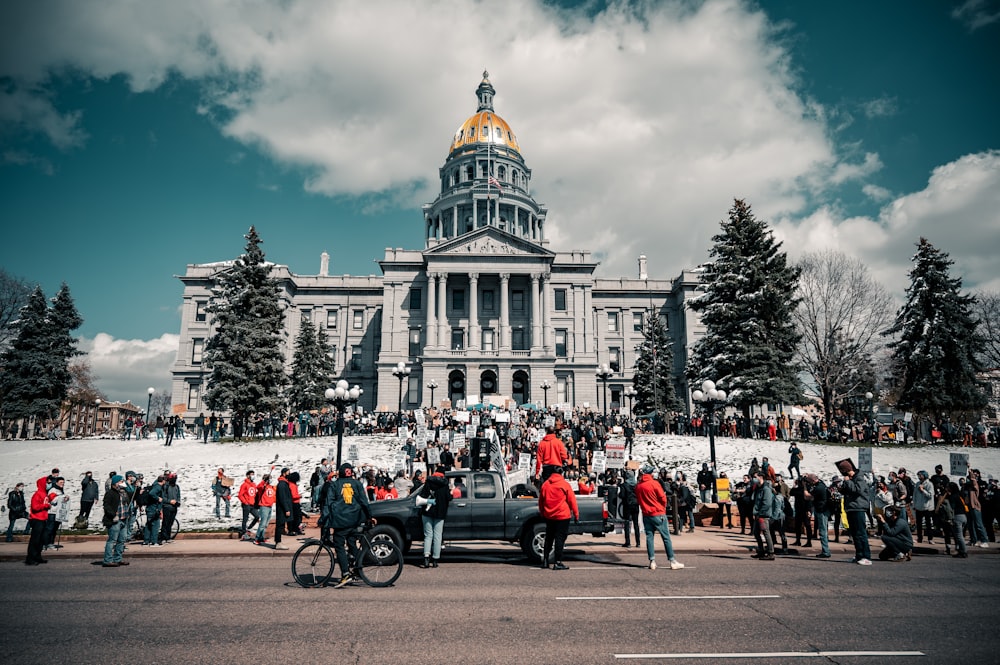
(896, 535)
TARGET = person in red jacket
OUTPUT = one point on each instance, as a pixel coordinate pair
(556, 504)
(37, 518)
(653, 504)
(265, 498)
(248, 499)
(551, 453)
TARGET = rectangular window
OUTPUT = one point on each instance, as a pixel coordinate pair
(561, 397)
(457, 339)
(637, 321)
(331, 319)
(489, 298)
(356, 357)
(414, 342)
(615, 359)
(616, 397)
(416, 299)
(306, 315)
(413, 390)
(612, 321)
(517, 340)
(199, 311)
(561, 343)
(197, 348)
(488, 337)
(458, 300)
(194, 396)
(560, 300)
(359, 319)
(483, 486)
(517, 301)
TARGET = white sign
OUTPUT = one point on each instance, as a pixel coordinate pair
(524, 461)
(474, 422)
(353, 453)
(959, 464)
(459, 441)
(907, 417)
(461, 416)
(503, 417)
(331, 453)
(418, 416)
(599, 464)
(400, 461)
(865, 460)
(429, 436)
(421, 444)
(550, 421)
(615, 452)
(403, 433)
(470, 431)
(433, 456)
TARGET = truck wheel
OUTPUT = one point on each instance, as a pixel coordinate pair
(384, 532)
(533, 542)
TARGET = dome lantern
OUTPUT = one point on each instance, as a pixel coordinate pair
(485, 93)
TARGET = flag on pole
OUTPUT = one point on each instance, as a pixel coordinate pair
(495, 183)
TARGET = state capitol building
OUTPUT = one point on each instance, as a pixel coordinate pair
(485, 310)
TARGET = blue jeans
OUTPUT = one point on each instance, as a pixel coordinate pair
(653, 524)
(823, 531)
(265, 517)
(859, 534)
(977, 531)
(10, 530)
(117, 533)
(959, 525)
(151, 532)
(217, 500)
(433, 533)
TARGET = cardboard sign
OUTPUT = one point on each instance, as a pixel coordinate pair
(632, 465)
(459, 441)
(865, 460)
(959, 463)
(400, 461)
(178, 409)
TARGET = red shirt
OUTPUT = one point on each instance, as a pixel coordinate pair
(586, 488)
(556, 500)
(652, 499)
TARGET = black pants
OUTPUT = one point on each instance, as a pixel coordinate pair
(51, 529)
(170, 436)
(36, 541)
(924, 520)
(85, 508)
(803, 523)
(631, 517)
(555, 534)
(248, 510)
(167, 524)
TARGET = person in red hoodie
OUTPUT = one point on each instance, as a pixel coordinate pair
(37, 518)
(248, 500)
(265, 505)
(556, 504)
(551, 453)
(653, 504)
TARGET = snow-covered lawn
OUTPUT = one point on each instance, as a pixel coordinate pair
(196, 463)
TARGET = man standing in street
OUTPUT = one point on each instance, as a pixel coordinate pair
(284, 509)
(116, 514)
(653, 504)
(856, 492)
(821, 510)
(763, 507)
(556, 504)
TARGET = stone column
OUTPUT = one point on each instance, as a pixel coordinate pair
(504, 313)
(547, 306)
(432, 332)
(454, 221)
(474, 333)
(444, 335)
(536, 327)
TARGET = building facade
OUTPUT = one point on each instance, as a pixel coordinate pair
(484, 312)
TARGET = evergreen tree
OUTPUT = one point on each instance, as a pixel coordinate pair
(36, 375)
(653, 380)
(245, 354)
(751, 337)
(312, 369)
(934, 351)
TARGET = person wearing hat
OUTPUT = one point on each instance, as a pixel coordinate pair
(37, 518)
(896, 535)
(116, 519)
(653, 504)
(16, 509)
(345, 509)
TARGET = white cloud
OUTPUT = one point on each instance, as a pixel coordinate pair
(882, 107)
(20, 110)
(976, 14)
(958, 212)
(125, 368)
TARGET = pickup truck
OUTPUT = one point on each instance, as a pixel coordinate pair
(490, 511)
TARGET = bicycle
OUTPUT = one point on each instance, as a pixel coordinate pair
(140, 523)
(378, 563)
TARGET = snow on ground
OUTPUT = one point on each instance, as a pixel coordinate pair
(196, 463)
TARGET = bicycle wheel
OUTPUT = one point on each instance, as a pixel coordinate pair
(312, 564)
(381, 563)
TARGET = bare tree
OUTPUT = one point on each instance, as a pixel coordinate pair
(14, 293)
(82, 389)
(987, 311)
(160, 405)
(841, 313)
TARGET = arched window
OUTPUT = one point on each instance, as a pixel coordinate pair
(502, 173)
(488, 383)
(470, 174)
(456, 386)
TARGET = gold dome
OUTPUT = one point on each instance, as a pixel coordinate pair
(485, 127)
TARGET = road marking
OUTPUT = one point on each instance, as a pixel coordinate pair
(771, 654)
(663, 597)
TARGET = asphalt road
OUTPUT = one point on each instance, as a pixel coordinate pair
(491, 607)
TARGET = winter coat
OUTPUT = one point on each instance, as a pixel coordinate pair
(283, 499)
(154, 500)
(90, 489)
(856, 492)
(763, 500)
(40, 501)
(551, 451)
(346, 505)
(267, 494)
(923, 496)
(112, 503)
(556, 500)
(650, 496)
(436, 487)
(16, 507)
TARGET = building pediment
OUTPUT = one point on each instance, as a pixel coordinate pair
(488, 241)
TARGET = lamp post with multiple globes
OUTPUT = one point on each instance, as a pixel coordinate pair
(545, 390)
(401, 372)
(341, 397)
(603, 373)
(711, 397)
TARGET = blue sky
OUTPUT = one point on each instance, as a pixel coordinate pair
(137, 139)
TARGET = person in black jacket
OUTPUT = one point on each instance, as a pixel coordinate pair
(16, 509)
(88, 496)
(629, 507)
(284, 509)
(432, 501)
(345, 509)
(816, 489)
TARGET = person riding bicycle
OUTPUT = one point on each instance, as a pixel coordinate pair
(345, 509)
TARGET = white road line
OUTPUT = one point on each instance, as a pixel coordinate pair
(662, 597)
(771, 654)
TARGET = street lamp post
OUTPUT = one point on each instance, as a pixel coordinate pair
(630, 392)
(872, 427)
(400, 371)
(97, 413)
(711, 398)
(432, 384)
(149, 403)
(341, 397)
(604, 373)
(545, 390)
